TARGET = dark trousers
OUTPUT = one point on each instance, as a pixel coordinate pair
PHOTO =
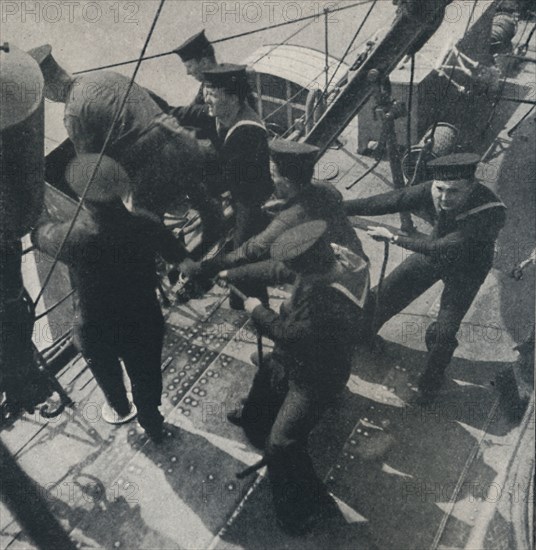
(281, 412)
(139, 344)
(407, 282)
(250, 220)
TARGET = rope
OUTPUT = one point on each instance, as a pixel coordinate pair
(382, 276)
(531, 34)
(224, 39)
(357, 32)
(284, 41)
(97, 164)
(380, 151)
(289, 100)
(341, 61)
(437, 111)
(410, 102)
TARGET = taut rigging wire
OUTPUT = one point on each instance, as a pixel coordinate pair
(225, 38)
(105, 145)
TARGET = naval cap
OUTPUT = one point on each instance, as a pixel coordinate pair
(109, 183)
(304, 249)
(196, 46)
(231, 78)
(293, 159)
(454, 167)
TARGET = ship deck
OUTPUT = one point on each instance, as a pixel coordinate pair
(403, 476)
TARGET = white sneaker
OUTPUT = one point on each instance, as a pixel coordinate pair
(112, 417)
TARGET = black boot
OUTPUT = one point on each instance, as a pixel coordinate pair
(153, 424)
(430, 384)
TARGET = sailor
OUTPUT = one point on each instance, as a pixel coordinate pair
(240, 140)
(299, 200)
(314, 335)
(162, 164)
(198, 56)
(467, 219)
(110, 253)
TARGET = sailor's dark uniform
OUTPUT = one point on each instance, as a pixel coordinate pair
(315, 335)
(243, 165)
(316, 201)
(198, 47)
(459, 252)
(293, 169)
(163, 166)
(153, 157)
(111, 258)
(243, 161)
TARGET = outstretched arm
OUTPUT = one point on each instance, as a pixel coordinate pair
(268, 272)
(399, 200)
